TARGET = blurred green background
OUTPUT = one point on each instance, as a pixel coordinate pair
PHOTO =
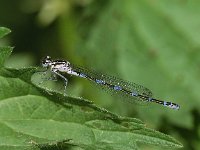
(155, 43)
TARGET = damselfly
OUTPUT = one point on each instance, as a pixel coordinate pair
(128, 89)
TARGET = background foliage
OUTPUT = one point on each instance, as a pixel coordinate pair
(151, 42)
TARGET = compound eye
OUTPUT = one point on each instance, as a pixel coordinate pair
(46, 61)
(45, 65)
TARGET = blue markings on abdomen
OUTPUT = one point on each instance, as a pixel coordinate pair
(117, 88)
(82, 75)
(98, 81)
(134, 94)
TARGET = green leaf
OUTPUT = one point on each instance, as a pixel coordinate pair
(4, 31)
(28, 114)
(56, 117)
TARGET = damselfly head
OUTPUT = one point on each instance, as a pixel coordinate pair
(46, 62)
